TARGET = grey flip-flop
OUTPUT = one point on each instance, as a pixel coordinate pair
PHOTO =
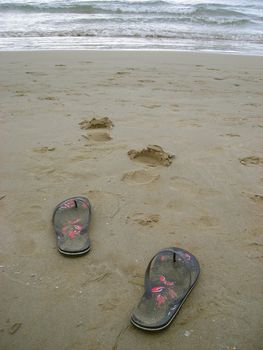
(71, 219)
(169, 279)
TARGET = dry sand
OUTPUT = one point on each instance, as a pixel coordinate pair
(206, 109)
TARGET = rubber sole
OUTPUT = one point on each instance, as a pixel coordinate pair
(74, 253)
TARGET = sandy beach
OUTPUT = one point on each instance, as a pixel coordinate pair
(207, 111)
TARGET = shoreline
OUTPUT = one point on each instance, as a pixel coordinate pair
(205, 52)
(189, 55)
(205, 109)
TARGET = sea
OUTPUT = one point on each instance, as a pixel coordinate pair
(231, 26)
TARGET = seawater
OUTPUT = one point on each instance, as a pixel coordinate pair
(234, 26)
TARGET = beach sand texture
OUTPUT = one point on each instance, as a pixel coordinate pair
(205, 109)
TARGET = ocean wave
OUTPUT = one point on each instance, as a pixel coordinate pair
(121, 7)
(217, 11)
(46, 34)
(82, 7)
(133, 34)
(45, 8)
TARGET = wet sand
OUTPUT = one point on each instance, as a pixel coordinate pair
(207, 111)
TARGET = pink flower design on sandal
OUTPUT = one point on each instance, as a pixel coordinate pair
(187, 256)
(73, 233)
(167, 283)
(158, 289)
(163, 258)
(78, 228)
(68, 204)
(160, 299)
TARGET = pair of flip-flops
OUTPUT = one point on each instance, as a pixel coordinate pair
(169, 278)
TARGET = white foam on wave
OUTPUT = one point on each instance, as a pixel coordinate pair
(137, 24)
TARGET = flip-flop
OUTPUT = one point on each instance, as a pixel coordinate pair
(71, 220)
(169, 278)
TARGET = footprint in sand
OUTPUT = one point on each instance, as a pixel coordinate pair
(47, 98)
(44, 149)
(139, 177)
(215, 69)
(146, 81)
(257, 198)
(96, 123)
(100, 136)
(183, 183)
(233, 121)
(37, 74)
(189, 123)
(254, 249)
(146, 219)
(122, 73)
(153, 106)
(233, 135)
(189, 186)
(153, 155)
(207, 220)
(252, 160)
(21, 93)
